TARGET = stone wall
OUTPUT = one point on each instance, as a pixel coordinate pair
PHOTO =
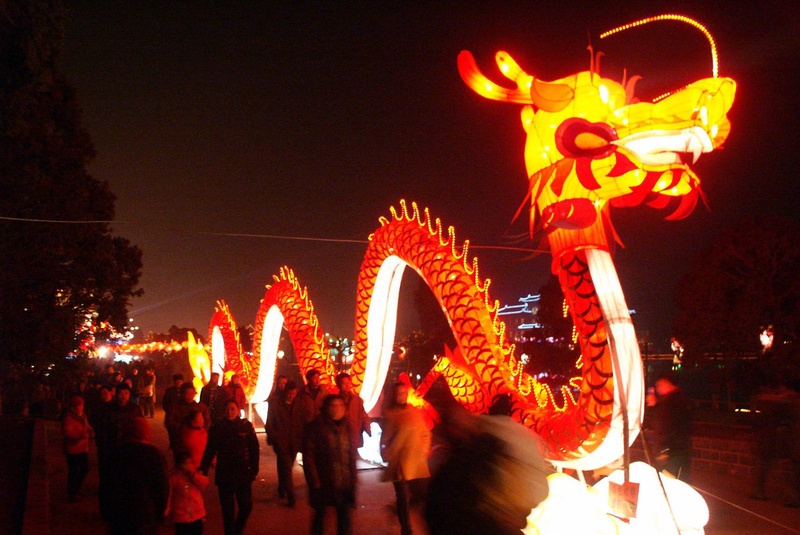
(730, 449)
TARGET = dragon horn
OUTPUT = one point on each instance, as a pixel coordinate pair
(479, 83)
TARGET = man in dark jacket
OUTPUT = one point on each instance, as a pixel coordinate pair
(171, 395)
(330, 462)
(285, 422)
(135, 499)
(233, 441)
(213, 396)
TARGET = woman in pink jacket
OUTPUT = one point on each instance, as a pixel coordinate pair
(185, 506)
(76, 431)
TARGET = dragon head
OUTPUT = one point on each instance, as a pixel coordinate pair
(591, 144)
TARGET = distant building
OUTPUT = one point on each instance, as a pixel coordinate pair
(522, 322)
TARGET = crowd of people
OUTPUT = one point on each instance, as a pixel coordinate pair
(142, 489)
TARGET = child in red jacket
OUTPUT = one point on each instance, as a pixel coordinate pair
(186, 508)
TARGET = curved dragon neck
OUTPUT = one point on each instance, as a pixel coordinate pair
(611, 401)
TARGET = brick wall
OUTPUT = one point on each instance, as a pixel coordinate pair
(729, 449)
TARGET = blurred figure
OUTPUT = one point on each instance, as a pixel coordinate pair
(330, 464)
(180, 410)
(135, 499)
(134, 381)
(76, 431)
(119, 416)
(233, 441)
(147, 393)
(286, 420)
(671, 424)
(405, 444)
(234, 391)
(171, 395)
(186, 507)
(213, 396)
(355, 414)
(193, 436)
(494, 476)
(98, 418)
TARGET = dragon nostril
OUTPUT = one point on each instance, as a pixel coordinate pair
(579, 138)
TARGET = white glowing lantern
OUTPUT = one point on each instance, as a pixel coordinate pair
(557, 514)
(767, 336)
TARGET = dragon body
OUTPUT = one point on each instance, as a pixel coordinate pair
(590, 146)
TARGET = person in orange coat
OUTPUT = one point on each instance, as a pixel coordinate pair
(185, 506)
(76, 431)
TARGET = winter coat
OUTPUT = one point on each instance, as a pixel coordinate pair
(135, 495)
(193, 441)
(357, 419)
(117, 419)
(77, 432)
(235, 445)
(405, 444)
(329, 462)
(148, 386)
(171, 396)
(285, 426)
(186, 497)
(236, 393)
(312, 401)
(214, 397)
(180, 411)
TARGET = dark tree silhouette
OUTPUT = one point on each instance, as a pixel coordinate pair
(744, 281)
(551, 311)
(60, 267)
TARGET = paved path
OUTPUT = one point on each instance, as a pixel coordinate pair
(270, 516)
(732, 513)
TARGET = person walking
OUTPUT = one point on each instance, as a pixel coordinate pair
(277, 392)
(147, 393)
(331, 466)
(233, 441)
(286, 420)
(356, 416)
(313, 394)
(405, 444)
(135, 499)
(234, 391)
(76, 431)
(213, 396)
(672, 428)
(186, 508)
(193, 436)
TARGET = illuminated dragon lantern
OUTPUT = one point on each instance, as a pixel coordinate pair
(590, 146)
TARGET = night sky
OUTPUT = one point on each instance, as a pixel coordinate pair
(213, 121)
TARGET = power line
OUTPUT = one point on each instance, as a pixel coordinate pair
(253, 235)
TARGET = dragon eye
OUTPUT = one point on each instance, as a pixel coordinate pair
(578, 138)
